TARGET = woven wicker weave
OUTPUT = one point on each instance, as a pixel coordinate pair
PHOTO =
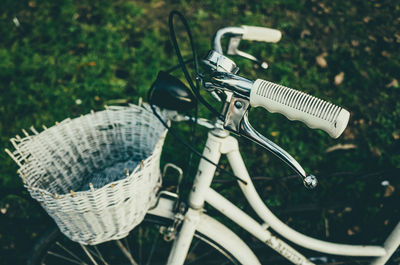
(95, 175)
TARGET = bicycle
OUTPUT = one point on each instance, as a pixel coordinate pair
(187, 226)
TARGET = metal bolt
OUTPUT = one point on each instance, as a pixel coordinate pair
(238, 104)
(310, 182)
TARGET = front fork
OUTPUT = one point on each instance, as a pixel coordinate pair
(202, 182)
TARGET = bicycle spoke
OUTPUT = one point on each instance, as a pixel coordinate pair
(226, 262)
(195, 245)
(100, 256)
(148, 240)
(127, 245)
(200, 257)
(88, 254)
(64, 258)
(126, 252)
(153, 247)
(69, 252)
(140, 231)
(92, 252)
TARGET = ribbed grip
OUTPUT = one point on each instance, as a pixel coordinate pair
(295, 105)
(261, 34)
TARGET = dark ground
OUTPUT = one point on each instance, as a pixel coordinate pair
(60, 59)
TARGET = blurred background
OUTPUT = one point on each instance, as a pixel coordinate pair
(60, 59)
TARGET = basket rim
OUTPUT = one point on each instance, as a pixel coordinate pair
(113, 184)
(17, 140)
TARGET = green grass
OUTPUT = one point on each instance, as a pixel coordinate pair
(100, 52)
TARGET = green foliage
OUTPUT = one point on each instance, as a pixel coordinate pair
(68, 57)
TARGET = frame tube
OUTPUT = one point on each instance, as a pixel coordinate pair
(184, 238)
(202, 182)
(250, 225)
(391, 244)
(214, 230)
(205, 172)
(239, 169)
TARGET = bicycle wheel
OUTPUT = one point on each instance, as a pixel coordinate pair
(144, 245)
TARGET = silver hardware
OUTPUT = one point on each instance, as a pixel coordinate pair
(216, 96)
(236, 34)
(221, 76)
(236, 120)
(238, 104)
(220, 63)
(310, 182)
(225, 80)
(248, 131)
(234, 83)
(178, 169)
(234, 115)
(169, 233)
(219, 130)
(233, 50)
(224, 31)
(164, 193)
(233, 45)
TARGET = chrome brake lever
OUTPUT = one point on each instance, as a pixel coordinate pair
(233, 50)
(236, 120)
(310, 181)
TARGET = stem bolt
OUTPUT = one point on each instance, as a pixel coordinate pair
(238, 104)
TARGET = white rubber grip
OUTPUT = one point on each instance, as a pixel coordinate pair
(261, 34)
(295, 105)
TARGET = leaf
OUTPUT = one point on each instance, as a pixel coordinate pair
(394, 83)
(376, 151)
(367, 19)
(304, 33)
(349, 133)
(340, 147)
(321, 60)
(339, 78)
(386, 54)
(389, 191)
(355, 43)
(396, 135)
(354, 230)
(274, 133)
(397, 36)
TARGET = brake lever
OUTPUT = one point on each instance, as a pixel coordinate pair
(233, 50)
(236, 121)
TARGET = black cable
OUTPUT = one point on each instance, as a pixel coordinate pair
(193, 87)
(174, 134)
(173, 68)
(181, 62)
(187, 76)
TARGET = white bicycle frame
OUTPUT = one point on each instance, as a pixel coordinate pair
(196, 220)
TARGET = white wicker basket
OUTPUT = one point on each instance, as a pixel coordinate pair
(95, 175)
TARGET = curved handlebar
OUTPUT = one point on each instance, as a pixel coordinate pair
(296, 105)
(247, 33)
(261, 34)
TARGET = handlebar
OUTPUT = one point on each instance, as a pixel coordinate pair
(261, 34)
(296, 105)
(251, 33)
(221, 78)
